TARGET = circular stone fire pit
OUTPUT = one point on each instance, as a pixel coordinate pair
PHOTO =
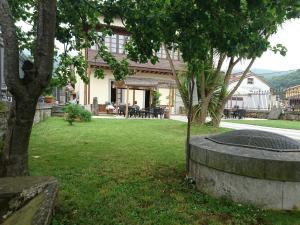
(248, 166)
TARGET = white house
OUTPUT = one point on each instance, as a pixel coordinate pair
(253, 93)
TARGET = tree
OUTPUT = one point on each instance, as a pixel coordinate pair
(207, 33)
(25, 91)
(74, 23)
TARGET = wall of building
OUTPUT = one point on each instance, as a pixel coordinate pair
(101, 88)
(251, 96)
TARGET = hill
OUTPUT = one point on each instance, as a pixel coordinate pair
(275, 73)
(283, 80)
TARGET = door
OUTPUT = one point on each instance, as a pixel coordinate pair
(147, 99)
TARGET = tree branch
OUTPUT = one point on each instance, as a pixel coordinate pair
(11, 46)
(174, 73)
(231, 65)
(218, 70)
(45, 42)
(220, 62)
(241, 79)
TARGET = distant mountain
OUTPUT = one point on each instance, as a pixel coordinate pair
(276, 73)
(263, 71)
(282, 80)
(257, 71)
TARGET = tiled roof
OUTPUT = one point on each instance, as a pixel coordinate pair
(237, 76)
(161, 66)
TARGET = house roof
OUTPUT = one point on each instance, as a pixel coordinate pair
(139, 83)
(293, 87)
(162, 66)
(235, 77)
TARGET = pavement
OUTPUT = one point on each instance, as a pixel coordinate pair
(295, 134)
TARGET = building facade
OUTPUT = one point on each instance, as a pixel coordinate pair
(253, 93)
(292, 96)
(136, 88)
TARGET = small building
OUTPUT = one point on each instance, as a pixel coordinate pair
(252, 94)
(292, 95)
(147, 77)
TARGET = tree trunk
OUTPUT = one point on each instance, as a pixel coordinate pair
(188, 133)
(15, 152)
(216, 120)
(14, 158)
(203, 111)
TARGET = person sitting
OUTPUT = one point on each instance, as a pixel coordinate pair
(135, 106)
(110, 108)
(135, 109)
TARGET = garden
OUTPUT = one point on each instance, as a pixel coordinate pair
(130, 172)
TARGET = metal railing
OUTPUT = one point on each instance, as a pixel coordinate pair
(288, 99)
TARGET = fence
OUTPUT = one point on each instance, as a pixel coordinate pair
(288, 100)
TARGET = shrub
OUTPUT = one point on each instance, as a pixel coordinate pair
(75, 112)
(85, 115)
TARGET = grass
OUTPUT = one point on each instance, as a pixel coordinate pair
(286, 124)
(130, 172)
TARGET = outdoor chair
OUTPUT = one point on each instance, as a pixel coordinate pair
(241, 113)
(122, 110)
(145, 113)
(226, 113)
(161, 113)
(134, 111)
(156, 111)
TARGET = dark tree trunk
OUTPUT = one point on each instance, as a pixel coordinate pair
(216, 120)
(15, 152)
(203, 111)
(189, 115)
(14, 158)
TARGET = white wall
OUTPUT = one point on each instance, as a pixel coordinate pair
(255, 96)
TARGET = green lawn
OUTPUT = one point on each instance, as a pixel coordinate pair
(130, 172)
(270, 123)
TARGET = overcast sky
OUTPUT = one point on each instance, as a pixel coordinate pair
(289, 36)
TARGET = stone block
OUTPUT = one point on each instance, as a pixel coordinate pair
(27, 200)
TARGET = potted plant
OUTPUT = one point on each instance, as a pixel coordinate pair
(49, 99)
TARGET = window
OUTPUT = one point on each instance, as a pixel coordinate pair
(175, 54)
(116, 43)
(250, 80)
(99, 41)
(94, 46)
(107, 41)
(237, 99)
(162, 54)
(121, 44)
(113, 47)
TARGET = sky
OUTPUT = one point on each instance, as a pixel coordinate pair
(289, 36)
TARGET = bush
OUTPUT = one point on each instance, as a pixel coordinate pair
(85, 115)
(75, 112)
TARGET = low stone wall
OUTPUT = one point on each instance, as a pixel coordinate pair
(27, 200)
(43, 111)
(291, 115)
(260, 114)
(58, 110)
(3, 119)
